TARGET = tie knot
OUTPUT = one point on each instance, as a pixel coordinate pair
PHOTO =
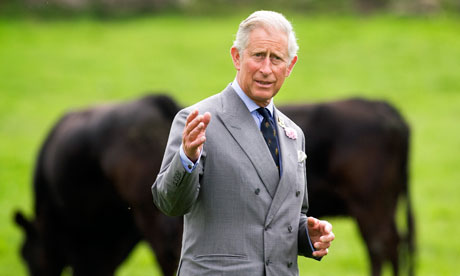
(264, 112)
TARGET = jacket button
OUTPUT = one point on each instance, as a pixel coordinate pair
(297, 193)
(290, 229)
(176, 178)
(289, 264)
(257, 191)
(268, 262)
(267, 227)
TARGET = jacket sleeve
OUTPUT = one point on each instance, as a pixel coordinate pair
(175, 190)
(305, 246)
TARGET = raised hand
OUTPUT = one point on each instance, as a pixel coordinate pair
(194, 136)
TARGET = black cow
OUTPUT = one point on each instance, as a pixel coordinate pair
(92, 191)
(358, 166)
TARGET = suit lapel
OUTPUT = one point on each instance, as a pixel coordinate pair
(240, 123)
(289, 163)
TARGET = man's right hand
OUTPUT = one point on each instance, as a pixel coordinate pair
(194, 136)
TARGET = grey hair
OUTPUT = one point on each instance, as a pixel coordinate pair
(266, 19)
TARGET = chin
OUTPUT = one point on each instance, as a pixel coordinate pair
(265, 95)
(262, 100)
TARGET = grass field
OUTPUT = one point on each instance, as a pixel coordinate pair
(49, 67)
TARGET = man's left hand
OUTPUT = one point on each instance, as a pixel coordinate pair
(321, 235)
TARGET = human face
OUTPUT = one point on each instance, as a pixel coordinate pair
(263, 64)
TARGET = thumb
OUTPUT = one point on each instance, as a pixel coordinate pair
(312, 221)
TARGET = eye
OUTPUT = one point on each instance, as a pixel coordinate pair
(276, 59)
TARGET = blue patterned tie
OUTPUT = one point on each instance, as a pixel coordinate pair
(269, 132)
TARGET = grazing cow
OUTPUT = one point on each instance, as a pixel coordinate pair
(358, 166)
(92, 191)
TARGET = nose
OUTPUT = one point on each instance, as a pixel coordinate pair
(265, 67)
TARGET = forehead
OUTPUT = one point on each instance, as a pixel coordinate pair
(268, 40)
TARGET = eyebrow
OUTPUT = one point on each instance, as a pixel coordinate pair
(272, 53)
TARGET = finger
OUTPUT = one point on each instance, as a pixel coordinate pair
(196, 132)
(206, 118)
(195, 144)
(312, 222)
(322, 245)
(327, 238)
(192, 125)
(199, 129)
(320, 253)
(326, 226)
(191, 116)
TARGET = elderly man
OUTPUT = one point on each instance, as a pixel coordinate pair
(237, 170)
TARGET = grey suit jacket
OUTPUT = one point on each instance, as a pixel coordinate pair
(240, 218)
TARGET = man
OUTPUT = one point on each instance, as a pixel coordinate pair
(237, 171)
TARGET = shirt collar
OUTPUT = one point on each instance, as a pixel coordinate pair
(250, 104)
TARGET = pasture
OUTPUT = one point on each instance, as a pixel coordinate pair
(49, 67)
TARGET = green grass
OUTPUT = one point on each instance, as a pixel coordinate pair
(49, 67)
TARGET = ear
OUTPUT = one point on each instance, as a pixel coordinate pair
(236, 58)
(291, 66)
(23, 222)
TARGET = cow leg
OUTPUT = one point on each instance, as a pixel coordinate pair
(392, 242)
(393, 248)
(381, 238)
(164, 235)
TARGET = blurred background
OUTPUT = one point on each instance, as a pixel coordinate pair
(58, 55)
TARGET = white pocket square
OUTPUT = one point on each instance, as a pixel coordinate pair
(301, 156)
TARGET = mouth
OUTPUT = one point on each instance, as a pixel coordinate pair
(265, 84)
